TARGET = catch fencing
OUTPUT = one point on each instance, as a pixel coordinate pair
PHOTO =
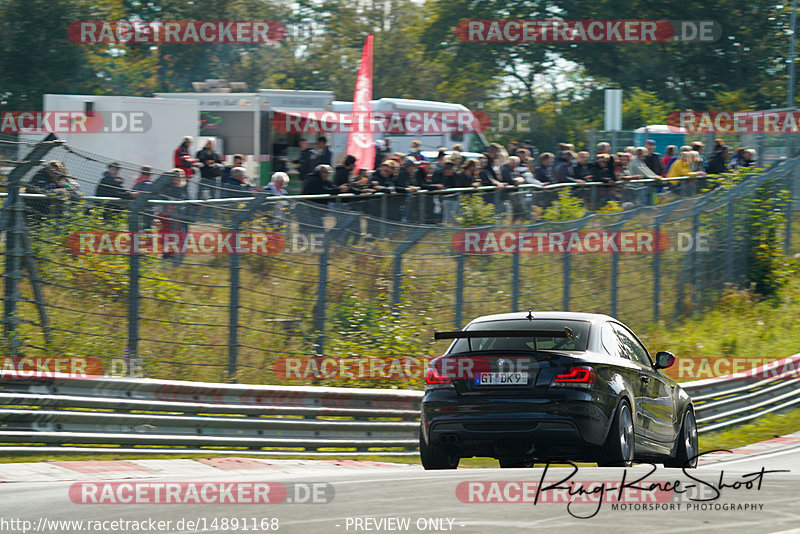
(351, 276)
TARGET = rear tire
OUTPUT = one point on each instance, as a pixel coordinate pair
(435, 456)
(619, 446)
(686, 446)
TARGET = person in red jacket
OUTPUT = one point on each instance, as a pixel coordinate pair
(184, 159)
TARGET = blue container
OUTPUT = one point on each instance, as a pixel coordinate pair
(661, 134)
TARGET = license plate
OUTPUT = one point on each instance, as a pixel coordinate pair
(501, 379)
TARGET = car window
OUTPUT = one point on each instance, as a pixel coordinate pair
(579, 328)
(609, 340)
(631, 346)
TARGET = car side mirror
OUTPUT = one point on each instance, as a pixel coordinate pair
(664, 359)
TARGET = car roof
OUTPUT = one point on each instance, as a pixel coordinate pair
(567, 315)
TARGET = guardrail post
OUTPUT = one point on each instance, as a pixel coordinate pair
(515, 281)
(459, 291)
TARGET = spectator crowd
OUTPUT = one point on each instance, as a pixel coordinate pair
(401, 175)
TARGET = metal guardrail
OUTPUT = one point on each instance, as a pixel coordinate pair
(135, 415)
(722, 402)
(162, 416)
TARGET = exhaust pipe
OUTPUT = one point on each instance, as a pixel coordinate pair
(449, 439)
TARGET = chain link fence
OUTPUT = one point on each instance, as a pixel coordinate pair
(345, 277)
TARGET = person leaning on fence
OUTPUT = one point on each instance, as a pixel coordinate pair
(239, 186)
(52, 180)
(111, 185)
(700, 160)
(143, 184)
(652, 158)
(171, 218)
(451, 179)
(638, 169)
(277, 210)
(238, 161)
(683, 167)
(668, 159)
(210, 171)
(581, 168)
(602, 169)
(718, 162)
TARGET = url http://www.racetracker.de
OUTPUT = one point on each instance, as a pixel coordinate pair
(141, 526)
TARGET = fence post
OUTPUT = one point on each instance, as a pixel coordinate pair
(787, 238)
(12, 222)
(14, 254)
(134, 263)
(233, 312)
(657, 272)
(695, 259)
(729, 242)
(397, 275)
(459, 290)
(322, 297)
(566, 276)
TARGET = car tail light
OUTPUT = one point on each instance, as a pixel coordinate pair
(436, 380)
(579, 376)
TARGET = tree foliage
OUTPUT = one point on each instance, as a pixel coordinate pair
(417, 55)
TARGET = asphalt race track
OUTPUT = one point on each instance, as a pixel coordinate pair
(374, 497)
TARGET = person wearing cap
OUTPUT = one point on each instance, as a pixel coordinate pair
(144, 182)
(52, 179)
(319, 183)
(416, 151)
(652, 158)
(183, 158)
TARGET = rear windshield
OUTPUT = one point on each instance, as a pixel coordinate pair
(579, 328)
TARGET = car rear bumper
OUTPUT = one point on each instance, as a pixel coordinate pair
(576, 418)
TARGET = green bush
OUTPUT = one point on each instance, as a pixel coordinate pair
(475, 212)
(567, 208)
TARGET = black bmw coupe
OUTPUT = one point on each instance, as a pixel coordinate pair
(549, 386)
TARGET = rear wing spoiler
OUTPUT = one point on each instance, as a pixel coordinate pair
(472, 334)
